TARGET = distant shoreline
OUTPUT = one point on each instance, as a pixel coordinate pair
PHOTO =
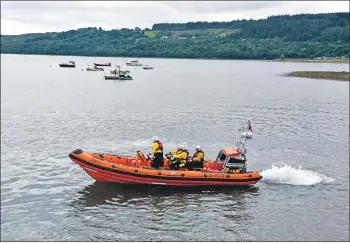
(287, 60)
(300, 60)
(134, 57)
(339, 76)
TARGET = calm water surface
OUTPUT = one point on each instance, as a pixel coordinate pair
(48, 111)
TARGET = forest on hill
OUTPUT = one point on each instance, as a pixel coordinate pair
(296, 36)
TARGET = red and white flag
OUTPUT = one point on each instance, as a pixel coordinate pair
(250, 128)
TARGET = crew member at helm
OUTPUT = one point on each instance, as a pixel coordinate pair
(157, 151)
(178, 151)
(197, 160)
(180, 156)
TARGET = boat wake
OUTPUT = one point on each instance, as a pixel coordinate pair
(293, 176)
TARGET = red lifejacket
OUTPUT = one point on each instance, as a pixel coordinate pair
(188, 154)
(160, 145)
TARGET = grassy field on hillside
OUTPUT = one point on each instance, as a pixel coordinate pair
(215, 32)
(197, 33)
(151, 33)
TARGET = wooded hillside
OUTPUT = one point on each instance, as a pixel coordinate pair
(298, 36)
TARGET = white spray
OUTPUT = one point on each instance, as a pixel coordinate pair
(293, 176)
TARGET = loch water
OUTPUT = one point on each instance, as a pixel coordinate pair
(300, 145)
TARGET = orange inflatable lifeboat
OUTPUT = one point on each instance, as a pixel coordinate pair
(229, 168)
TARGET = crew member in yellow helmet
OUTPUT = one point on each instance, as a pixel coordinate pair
(197, 160)
(180, 156)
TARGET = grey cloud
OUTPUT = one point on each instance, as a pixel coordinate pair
(221, 6)
(34, 12)
(60, 13)
(65, 15)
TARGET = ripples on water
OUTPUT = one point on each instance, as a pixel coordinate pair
(46, 112)
(160, 208)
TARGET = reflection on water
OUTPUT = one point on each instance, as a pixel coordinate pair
(100, 193)
(185, 213)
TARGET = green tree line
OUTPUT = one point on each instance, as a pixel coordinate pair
(297, 36)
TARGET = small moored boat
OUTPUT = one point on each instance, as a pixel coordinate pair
(70, 64)
(125, 77)
(103, 64)
(119, 74)
(115, 77)
(118, 77)
(146, 67)
(133, 63)
(95, 68)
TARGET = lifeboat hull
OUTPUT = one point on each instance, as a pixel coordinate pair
(128, 173)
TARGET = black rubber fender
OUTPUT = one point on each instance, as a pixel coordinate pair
(77, 151)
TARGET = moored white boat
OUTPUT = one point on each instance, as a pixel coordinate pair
(94, 69)
(133, 63)
(146, 67)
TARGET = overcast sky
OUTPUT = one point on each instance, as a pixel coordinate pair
(51, 16)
